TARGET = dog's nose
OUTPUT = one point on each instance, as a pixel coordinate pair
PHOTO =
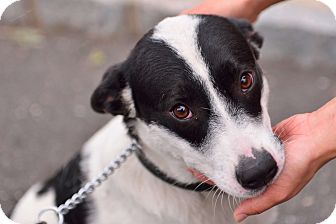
(255, 172)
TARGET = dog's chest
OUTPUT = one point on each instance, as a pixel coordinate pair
(133, 195)
(127, 211)
(153, 202)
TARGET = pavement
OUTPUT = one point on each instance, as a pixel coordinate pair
(47, 76)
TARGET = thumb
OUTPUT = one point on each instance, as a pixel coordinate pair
(254, 206)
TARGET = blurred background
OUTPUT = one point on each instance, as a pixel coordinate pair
(53, 54)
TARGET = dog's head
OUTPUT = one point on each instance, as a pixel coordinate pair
(193, 83)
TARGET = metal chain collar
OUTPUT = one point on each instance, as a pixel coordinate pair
(89, 187)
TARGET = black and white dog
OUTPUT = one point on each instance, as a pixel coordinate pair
(193, 94)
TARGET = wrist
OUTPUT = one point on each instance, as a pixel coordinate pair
(264, 4)
(253, 7)
(257, 6)
(323, 131)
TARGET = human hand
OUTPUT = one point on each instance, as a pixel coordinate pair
(244, 9)
(309, 141)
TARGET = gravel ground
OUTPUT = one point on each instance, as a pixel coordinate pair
(46, 81)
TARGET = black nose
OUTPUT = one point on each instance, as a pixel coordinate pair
(253, 173)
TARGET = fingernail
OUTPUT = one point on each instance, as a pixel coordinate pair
(241, 217)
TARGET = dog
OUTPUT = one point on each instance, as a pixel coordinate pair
(193, 95)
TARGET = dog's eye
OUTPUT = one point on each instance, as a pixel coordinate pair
(246, 81)
(181, 111)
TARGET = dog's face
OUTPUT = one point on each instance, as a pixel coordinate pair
(193, 84)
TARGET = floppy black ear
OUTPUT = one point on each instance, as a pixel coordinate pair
(252, 37)
(107, 98)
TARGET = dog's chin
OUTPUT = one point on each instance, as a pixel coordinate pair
(253, 193)
(239, 192)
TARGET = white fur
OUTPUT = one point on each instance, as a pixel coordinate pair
(186, 46)
(133, 194)
(264, 104)
(31, 204)
(128, 100)
(228, 138)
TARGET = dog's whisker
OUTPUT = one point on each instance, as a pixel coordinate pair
(210, 192)
(240, 200)
(236, 202)
(219, 194)
(228, 196)
(275, 131)
(290, 128)
(288, 139)
(212, 201)
(287, 143)
(222, 200)
(233, 201)
(283, 129)
(165, 137)
(213, 196)
(199, 175)
(291, 142)
(205, 108)
(280, 134)
(201, 184)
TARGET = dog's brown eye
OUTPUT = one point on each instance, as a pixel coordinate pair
(181, 111)
(246, 81)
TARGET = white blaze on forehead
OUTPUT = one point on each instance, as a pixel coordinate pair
(229, 137)
(180, 34)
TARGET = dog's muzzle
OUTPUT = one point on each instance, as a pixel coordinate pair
(253, 173)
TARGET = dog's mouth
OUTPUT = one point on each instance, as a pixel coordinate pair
(200, 176)
(243, 193)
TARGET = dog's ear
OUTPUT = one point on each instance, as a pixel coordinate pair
(108, 96)
(253, 38)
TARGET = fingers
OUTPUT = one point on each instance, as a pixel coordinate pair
(258, 205)
(225, 8)
(287, 127)
(279, 128)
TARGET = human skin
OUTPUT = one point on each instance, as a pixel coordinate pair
(309, 139)
(246, 9)
(310, 142)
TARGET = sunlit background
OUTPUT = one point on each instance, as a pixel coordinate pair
(53, 54)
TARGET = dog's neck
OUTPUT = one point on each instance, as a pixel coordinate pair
(156, 153)
(136, 187)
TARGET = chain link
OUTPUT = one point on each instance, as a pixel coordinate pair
(89, 187)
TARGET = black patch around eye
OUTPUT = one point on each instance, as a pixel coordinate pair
(228, 55)
(160, 79)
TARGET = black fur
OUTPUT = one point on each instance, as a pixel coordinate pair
(253, 38)
(228, 54)
(107, 97)
(65, 183)
(160, 79)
